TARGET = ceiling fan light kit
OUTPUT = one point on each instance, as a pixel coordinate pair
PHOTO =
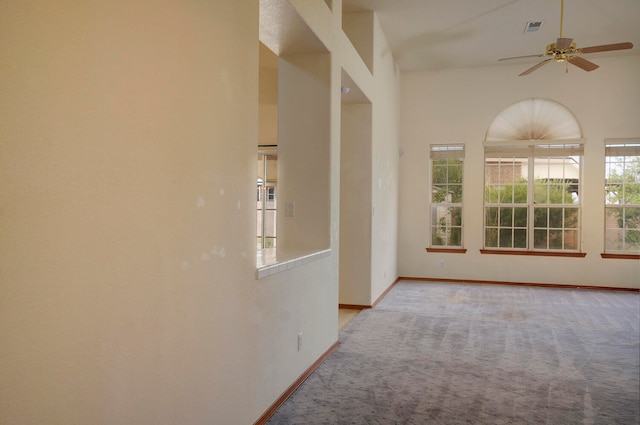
(565, 50)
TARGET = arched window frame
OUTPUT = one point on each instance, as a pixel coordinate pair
(533, 153)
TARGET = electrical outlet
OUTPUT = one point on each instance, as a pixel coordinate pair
(300, 341)
(442, 264)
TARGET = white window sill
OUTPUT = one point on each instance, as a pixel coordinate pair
(272, 261)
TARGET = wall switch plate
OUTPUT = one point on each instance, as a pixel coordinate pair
(300, 341)
(290, 209)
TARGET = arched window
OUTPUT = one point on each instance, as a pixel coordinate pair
(534, 119)
(533, 151)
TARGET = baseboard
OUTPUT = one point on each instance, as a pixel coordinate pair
(363, 307)
(496, 282)
(354, 306)
(386, 291)
(272, 409)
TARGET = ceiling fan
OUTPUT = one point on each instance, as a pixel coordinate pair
(565, 50)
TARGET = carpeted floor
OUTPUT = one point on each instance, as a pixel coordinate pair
(443, 353)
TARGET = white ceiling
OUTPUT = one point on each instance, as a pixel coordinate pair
(442, 34)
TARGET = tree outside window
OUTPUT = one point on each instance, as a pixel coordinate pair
(532, 201)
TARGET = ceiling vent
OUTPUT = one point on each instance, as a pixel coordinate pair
(533, 26)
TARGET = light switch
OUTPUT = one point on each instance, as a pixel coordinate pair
(290, 209)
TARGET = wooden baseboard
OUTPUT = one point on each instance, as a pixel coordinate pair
(545, 285)
(354, 306)
(385, 292)
(272, 409)
(363, 307)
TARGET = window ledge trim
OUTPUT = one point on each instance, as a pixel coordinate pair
(620, 256)
(534, 253)
(279, 260)
(448, 250)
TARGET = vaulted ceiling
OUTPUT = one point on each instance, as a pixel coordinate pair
(442, 34)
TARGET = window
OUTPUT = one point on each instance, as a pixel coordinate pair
(532, 197)
(267, 182)
(622, 197)
(446, 196)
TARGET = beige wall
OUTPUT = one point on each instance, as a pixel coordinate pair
(355, 204)
(458, 106)
(369, 183)
(128, 134)
(127, 260)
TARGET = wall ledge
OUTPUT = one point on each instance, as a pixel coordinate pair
(272, 261)
(534, 253)
(621, 256)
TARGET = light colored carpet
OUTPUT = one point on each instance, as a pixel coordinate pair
(443, 353)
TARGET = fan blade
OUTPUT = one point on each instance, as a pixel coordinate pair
(563, 43)
(533, 68)
(606, 47)
(583, 63)
(521, 57)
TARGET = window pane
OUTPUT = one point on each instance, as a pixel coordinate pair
(632, 193)
(557, 194)
(506, 240)
(506, 217)
(632, 217)
(570, 218)
(541, 168)
(456, 193)
(455, 171)
(506, 194)
(540, 239)
(613, 194)
(491, 218)
(555, 218)
(439, 194)
(570, 239)
(520, 217)
(491, 172)
(520, 238)
(491, 238)
(555, 239)
(540, 192)
(439, 174)
(446, 226)
(540, 217)
(456, 237)
(491, 195)
(520, 193)
(456, 216)
(614, 240)
(632, 240)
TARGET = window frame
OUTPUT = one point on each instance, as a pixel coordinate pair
(614, 150)
(448, 151)
(266, 204)
(532, 154)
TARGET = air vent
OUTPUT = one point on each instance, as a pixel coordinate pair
(533, 26)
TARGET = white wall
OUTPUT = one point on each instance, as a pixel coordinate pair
(458, 106)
